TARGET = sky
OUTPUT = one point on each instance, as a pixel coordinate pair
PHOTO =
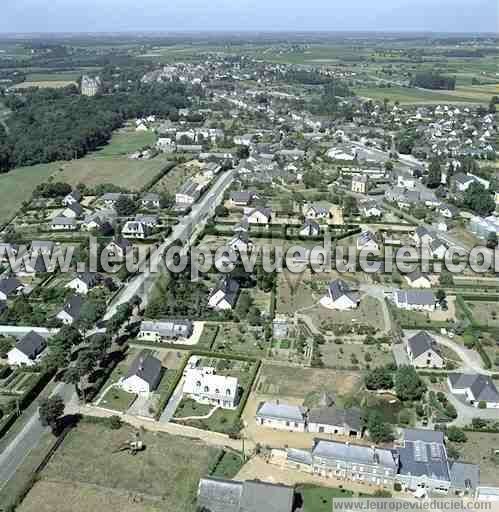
(239, 15)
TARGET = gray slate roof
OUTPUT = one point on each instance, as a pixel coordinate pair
(350, 419)
(31, 345)
(482, 386)
(464, 476)
(422, 342)
(338, 288)
(9, 285)
(416, 297)
(281, 412)
(147, 367)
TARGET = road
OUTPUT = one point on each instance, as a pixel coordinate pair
(141, 285)
(20, 447)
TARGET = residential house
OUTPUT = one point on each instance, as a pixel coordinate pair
(71, 311)
(365, 464)
(9, 286)
(370, 209)
(224, 295)
(449, 211)
(423, 462)
(333, 420)
(151, 221)
(438, 248)
(220, 495)
(73, 211)
(367, 241)
(84, 282)
(310, 228)
(476, 389)
(96, 222)
(423, 351)
(118, 248)
(418, 279)
(204, 386)
(111, 198)
(281, 416)
(242, 198)
(27, 350)
(134, 229)
(415, 300)
(150, 200)
(63, 224)
(316, 211)
(71, 198)
(340, 296)
(422, 237)
(241, 242)
(188, 193)
(260, 216)
(360, 184)
(143, 376)
(169, 330)
(7, 251)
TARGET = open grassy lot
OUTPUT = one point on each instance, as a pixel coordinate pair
(119, 170)
(298, 382)
(478, 449)
(163, 477)
(117, 400)
(355, 355)
(45, 84)
(176, 177)
(126, 141)
(17, 186)
(406, 95)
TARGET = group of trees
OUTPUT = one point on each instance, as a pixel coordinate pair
(404, 380)
(58, 124)
(479, 199)
(433, 80)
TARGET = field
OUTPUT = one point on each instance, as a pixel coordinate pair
(96, 170)
(239, 339)
(17, 186)
(176, 177)
(283, 381)
(484, 313)
(406, 95)
(124, 142)
(319, 499)
(45, 84)
(354, 355)
(163, 477)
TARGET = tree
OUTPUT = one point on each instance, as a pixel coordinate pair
(242, 152)
(349, 206)
(126, 206)
(456, 435)
(166, 200)
(492, 240)
(221, 211)
(408, 384)
(479, 199)
(379, 378)
(441, 295)
(50, 411)
(5, 346)
(435, 174)
(379, 430)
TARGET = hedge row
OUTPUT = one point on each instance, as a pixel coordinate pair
(165, 170)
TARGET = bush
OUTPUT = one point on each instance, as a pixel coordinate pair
(115, 422)
(397, 486)
(456, 435)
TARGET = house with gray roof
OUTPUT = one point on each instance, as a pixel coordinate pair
(71, 311)
(281, 416)
(465, 477)
(143, 376)
(224, 295)
(333, 420)
(365, 464)
(27, 350)
(423, 461)
(474, 389)
(9, 287)
(423, 351)
(415, 300)
(220, 495)
(168, 330)
(242, 198)
(339, 295)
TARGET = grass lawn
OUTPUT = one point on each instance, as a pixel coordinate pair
(45, 84)
(176, 177)
(348, 355)
(208, 336)
(17, 186)
(117, 400)
(164, 476)
(485, 313)
(319, 499)
(239, 339)
(188, 407)
(124, 142)
(228, 466)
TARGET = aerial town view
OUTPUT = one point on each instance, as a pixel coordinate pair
(248, 255)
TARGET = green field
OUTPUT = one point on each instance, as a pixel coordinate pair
(126, 142)
(17, 186)
(319, 499)
(406, 95)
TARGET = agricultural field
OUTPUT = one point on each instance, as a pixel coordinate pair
(44, 84)
(406, 95)
(126, 141)
(484, 313)
(87, 468)
(283, 381)
(176, 177)
(17, 186)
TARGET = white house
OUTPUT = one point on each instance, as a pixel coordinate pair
(310, 228)
(150, 200)
(73, 197)
(204, 386)
(118, 248)
(143, 376)
(476, 389)
(367, 242)
(281, 416)
(70, 313)
(63, 224)
(340, 296)
(336, 421)
(423, 351)
(168, 330)
(134, 229)
(260, 216)
(224, 295)
(422, 237)
(27, 350)
(418, 279)
(84, 282)
(9, 286)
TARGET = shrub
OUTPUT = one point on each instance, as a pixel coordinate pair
(115, 422)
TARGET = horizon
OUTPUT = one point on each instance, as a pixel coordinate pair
(124, 16)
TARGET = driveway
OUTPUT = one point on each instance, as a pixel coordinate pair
(172, 405)
(466, 412)
(400, 354)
